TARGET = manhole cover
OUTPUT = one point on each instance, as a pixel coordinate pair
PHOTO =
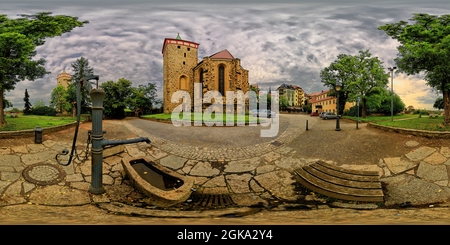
(43, 174)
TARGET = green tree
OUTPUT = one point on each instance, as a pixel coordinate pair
(117, 95)
(424, 48)
(81, 69)
(38, 103)
(142, 98)
(359, 76)
(18, 41)
(284, 103)
(58, 99)
(27, 106)
(6, 103)
(439, 103)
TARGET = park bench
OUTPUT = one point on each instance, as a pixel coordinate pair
(434, 115)
(13, 115)
(340, 183)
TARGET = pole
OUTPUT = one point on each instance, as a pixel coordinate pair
(97, 96)
(391, 69)
(338, 128)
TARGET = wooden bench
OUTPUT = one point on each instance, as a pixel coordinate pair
(434, 115)
(340, 183)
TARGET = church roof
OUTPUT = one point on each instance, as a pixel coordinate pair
(224, 54)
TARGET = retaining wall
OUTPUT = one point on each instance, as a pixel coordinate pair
(415, 132)
(30, 132)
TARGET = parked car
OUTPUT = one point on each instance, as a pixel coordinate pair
(314, 114)
(321, 114)
(264, 113)
(330, 115)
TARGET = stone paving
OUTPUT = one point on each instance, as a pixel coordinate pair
(264, 177)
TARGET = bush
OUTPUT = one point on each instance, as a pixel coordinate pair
(421, 112)
(44, 111)
(353, 111)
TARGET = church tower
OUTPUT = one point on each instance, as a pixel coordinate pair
(64, 79)
(179, 58)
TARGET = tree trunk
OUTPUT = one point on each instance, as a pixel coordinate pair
(446, 98)
(2, 118)
(363, 107)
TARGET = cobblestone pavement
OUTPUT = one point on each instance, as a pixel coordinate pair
(255, 175)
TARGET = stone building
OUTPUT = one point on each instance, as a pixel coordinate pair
(64, 79)
(182, 70)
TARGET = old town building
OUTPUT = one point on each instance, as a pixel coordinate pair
(219, 72)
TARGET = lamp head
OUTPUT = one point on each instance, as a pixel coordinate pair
(338, 87)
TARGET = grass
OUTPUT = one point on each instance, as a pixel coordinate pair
(213, 119)
(24, 122)
(409, 121)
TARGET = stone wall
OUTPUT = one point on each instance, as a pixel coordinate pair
(30, 132)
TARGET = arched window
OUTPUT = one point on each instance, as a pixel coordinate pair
(222, 80)
(184, 83)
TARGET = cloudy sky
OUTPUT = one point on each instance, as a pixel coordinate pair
(279, 42)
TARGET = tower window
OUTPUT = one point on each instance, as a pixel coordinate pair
(221, 79)
(184, 63)
(179, 47)
(184, 54)
(189, 49)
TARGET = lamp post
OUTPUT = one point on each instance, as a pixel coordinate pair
(391, 69)
(337, 88)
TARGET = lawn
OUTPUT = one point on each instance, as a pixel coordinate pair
(213, 119)
(24, 122)
(411, 121)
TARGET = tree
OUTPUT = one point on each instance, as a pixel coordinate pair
(27, 107)
(424, 48)
(6, 103)
(359, 76)
(38, 103)
(439, 103)
(142, 98)
(81, 69)
(284, 103)
(18, 41)
(58, 99)
(116, 97)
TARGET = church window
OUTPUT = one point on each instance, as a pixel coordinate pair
(184, 83)
(222, 80)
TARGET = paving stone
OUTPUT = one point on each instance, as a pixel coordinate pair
(5, 150)
(156, 153)
(134, 151)
(255, 187)
(19, 149)
(218, 181)
(239, 183)
(271, 156)
(364, 167)
(420, 153)
(74, 178)
(242, 165)
(27, 187)
(360, 206)
(411, 143)
(59, 195)
(49, 143)
(84, 186)
(405, 188)
(289, 163)
(10, 161)
(173, 162)
(445, 151)
(278, 183)
(43, 156)
(9, 176)
(188, 166)
(247, 200)
(12, 195)
(265, 169)
(431, 172)
(204, 169)
(398, 165)
(3, 185)
(33, 148)
(435, 158)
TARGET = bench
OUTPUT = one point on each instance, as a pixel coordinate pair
(344, 184)
(434, 115)
(13, 115)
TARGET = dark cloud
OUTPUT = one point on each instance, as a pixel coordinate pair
(287, 41)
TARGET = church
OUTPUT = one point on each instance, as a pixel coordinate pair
(181, 70)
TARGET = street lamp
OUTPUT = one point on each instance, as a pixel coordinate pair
(337, 88)
(391, 69)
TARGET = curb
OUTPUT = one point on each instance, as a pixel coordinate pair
(415, 132)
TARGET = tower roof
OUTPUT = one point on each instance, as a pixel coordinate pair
(178, 37)
(178, 41)
(224, 54)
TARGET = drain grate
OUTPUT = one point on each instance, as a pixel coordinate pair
(208, 200)
(43, 174)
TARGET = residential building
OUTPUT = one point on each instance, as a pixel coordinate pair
(299, 99)
(321, 101)
(288, 91)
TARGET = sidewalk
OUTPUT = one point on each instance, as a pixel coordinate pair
(29, 174)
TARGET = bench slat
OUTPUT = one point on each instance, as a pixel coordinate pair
(350, 171)
(343, 175)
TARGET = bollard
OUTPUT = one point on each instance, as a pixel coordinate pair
(38, 135)
(306, 125)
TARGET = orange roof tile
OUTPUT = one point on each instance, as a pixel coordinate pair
(224, 54)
